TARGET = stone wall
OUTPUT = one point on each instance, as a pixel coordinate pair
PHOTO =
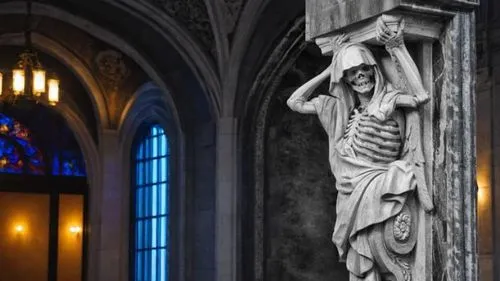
(488, 138)
(300, 191)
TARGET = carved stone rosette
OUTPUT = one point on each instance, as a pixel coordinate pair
(112, 69)
(193, 15)
(414, 243)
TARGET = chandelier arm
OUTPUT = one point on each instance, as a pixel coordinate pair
(29, 78)
(27, 26)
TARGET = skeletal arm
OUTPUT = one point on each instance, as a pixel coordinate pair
(402, 57)
(396, 47)
(298, 100)
(394, 44)
(407, 101)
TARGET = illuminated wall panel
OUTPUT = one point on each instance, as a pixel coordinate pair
(24, 236)
(69, 256)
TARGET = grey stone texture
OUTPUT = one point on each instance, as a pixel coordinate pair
(448, 68)
(325, 16)
(300, 192)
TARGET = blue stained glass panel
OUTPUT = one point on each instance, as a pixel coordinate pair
(163, 260)
(10, 157)
(17, 153)
(151, 206)
(23, 156)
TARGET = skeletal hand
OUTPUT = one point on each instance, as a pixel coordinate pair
(338, 42)
(423, 98)
(388, 37)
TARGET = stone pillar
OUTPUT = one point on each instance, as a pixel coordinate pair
(111, 208)
(440, 36)
(201, 220)
(226, 198)
(485, 110)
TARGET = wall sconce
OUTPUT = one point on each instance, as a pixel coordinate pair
(482, 191)
(480, 195)
(75, 229)
(19, 230)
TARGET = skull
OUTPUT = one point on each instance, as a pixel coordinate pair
(361, 78)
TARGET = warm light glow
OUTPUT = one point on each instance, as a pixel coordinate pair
(18, 81)
(480, 195)
(19, 228)
(75, 229)
(1, 83)
(3, 162)
(482, 190)
(53, 91)
(38, 82)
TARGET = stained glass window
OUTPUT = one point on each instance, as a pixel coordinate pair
(67, 163)
(17, 152)
(20, 153)
(151, 208)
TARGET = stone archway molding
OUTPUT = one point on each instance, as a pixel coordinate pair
(73, 63)
(255, 115)
(149, 105)
(93, 167)
(77, 125)
(16, 7)
(194, 56)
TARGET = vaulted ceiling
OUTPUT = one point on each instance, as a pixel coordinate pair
(205, 53)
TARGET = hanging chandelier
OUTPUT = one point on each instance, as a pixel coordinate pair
(28, 77)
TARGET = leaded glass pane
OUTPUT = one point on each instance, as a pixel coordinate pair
(151, 206)
(19, 151)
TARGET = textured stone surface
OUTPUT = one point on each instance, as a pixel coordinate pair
(325, 16)
(300, 191)
(301, 202)
(193, 15)
(234, 9)
(452, 143)
(454, 227)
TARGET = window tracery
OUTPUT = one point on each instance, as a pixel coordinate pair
(151, 206)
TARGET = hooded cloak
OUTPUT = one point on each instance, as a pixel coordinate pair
(368, 193)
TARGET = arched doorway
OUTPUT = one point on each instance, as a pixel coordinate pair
(43, 194)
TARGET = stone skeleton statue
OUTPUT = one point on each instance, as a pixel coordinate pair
(375, 153)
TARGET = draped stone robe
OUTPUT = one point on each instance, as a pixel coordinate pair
(368, 193)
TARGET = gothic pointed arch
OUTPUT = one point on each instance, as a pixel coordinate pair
(270, 233)
(171, 46)
(153, 145)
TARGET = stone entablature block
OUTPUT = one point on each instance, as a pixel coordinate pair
(326, 16)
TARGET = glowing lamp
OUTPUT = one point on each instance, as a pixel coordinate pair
(53, 95)
(3, 162)
(29, 78)
(75, 229)
(18, 81)
(19, 229)
(38, 82)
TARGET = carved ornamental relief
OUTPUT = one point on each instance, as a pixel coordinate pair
(375, 154)
(112, 72)
(193, 15)
(112, 69)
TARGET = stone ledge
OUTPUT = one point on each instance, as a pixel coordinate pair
(416, 28)
(326, 16)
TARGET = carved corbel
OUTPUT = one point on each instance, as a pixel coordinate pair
(416, 28)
